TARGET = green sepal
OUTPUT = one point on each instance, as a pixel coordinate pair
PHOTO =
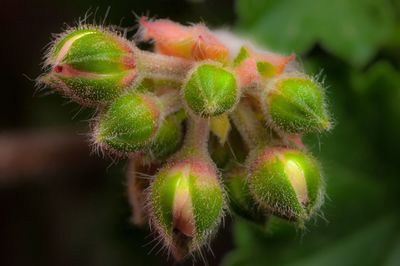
(207, 200)
(241, 56)
(98, 52)
(240, 198)
(88, 90)
(168, 139)
(59, 44)
(162, 197)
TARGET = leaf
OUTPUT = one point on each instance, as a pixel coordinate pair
(377, 108)
(364, 247)
(352, 30)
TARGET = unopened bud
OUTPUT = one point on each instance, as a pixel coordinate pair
(90, 65)
(295, 103)
(286, 182)
(210, 90)
(130, 123)
(187, 203)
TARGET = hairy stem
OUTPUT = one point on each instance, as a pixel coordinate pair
(196, 137)
(161, 67)
(170, 102)
(249, 126)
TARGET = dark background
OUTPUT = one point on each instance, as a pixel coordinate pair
(62, 205)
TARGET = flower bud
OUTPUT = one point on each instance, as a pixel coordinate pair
(240, 198)
(187, 203)
(168, 139)
(90, 65)
(130, 123)
(295, 103)
(194, 42)
(286, 182)
(210, 90)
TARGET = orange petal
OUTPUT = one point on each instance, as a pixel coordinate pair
(190, 42)
(247, 73)
(278, 61)
(207, 46)
(260, 65)
(170, 38)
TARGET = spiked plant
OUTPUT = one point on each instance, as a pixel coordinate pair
(159, 107)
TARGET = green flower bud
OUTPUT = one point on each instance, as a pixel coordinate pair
(295, 103)
(187, 204)
(90, 65)
(168, 139)
(130, 123)
(286, 182)
(210, 90)
(240, 198)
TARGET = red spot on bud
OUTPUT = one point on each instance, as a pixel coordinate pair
(58, 69)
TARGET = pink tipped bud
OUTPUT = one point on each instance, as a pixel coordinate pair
(186, 202)
(90, 65)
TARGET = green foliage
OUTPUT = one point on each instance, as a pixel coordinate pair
(352, 30)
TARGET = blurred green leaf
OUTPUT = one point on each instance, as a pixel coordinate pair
(378, 108)
(351, 29)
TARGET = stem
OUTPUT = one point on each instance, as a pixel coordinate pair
(161, 67)
(248, 126)
(196, 137)
(170, 102)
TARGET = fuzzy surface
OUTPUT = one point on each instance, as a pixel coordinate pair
(296, 105)
(129, 124)
(205, 195)
(210, 90)
(274, 190)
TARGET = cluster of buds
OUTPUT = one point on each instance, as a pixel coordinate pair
(207, 128)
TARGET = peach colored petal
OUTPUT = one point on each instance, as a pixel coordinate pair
(190, 42)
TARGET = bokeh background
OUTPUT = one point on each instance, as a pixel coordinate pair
(62, 205)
